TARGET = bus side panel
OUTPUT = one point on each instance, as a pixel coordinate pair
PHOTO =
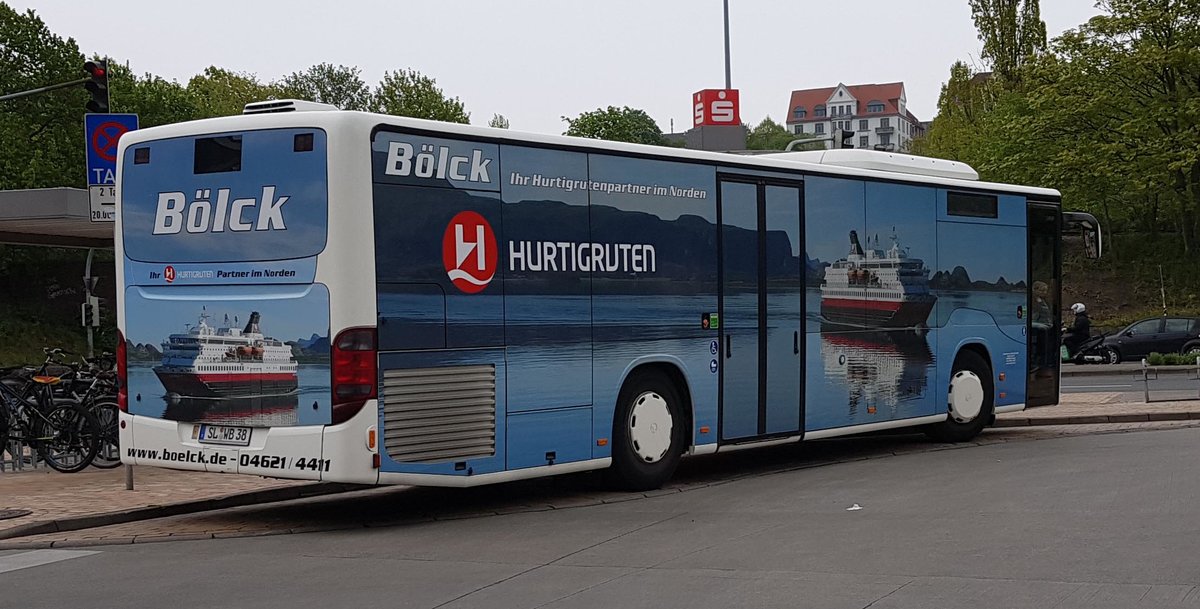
(656, 221)
(547, 291)
(440, 275)
(870, 341)
(983, 292)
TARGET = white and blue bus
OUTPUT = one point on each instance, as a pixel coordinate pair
(315, 294)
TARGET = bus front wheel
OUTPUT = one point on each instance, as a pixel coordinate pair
(970, 399)
(648, 432)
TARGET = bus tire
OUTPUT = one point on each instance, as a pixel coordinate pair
(970, 400)
(648, 432)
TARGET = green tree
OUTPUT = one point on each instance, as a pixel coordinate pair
(155, 100)
(410, 93)
(617, 124)
(220, 92)
(1124, 91)
(41, 136)
(498, 121)
(1012, 31)
(340, 86)
(964, 107)
(770, 135)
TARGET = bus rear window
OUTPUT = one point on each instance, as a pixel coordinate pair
(218, 154)
(971, 205)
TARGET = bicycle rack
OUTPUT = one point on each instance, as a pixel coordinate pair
(1147, 374)
(16, 457)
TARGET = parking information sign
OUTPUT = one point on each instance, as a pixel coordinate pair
(102, 132)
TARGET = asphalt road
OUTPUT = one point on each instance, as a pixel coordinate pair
(1090, 521)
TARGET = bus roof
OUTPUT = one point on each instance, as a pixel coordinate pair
(858, 164)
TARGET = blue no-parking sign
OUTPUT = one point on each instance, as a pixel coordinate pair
(102, 131)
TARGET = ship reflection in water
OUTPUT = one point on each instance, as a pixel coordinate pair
(880, 369)
(266, 411)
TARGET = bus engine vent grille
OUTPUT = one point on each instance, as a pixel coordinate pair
(432, 415)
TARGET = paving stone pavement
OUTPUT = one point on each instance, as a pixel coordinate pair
(397, 506)
(50, 495)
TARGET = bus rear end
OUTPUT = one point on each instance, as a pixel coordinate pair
(225, 343)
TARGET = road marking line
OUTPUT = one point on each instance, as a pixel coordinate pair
(37, 558)
(1095, 386)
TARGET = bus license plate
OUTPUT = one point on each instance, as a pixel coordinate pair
(224, 434)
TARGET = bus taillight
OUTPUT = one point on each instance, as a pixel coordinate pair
(354, 372)
(122, 374)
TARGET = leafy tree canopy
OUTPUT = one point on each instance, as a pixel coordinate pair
(616, 124)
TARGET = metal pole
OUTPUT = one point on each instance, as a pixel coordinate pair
(1162, 286)
(129, 477)
(728, 84)
(87, 285)
(63, 85)
(1145, 382)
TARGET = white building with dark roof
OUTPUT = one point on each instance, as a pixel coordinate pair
(877, 114)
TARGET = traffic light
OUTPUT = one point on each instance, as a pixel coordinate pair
(97, 85)
(845, 139)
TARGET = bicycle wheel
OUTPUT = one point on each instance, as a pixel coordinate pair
(109, 454)
(68, 438)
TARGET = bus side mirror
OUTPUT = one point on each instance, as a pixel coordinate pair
(1083, 226)
(1091, 243)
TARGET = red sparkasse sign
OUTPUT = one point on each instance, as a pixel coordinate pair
(712, 107)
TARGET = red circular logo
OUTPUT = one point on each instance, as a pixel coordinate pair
(469, 252)
(169, 274)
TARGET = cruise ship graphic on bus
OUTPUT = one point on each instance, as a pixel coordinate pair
(874, 288)
(225, 362)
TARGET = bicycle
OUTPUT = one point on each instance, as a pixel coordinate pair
(98, 382)
(91, 383)
(63, 433)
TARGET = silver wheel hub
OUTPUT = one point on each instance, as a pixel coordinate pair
(966, 396)
(650, 424)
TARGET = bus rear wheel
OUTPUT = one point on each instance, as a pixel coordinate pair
(648, 432)
(970, 400)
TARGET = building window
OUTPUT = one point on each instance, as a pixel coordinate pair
(820, 128)
(875, 106)
(862, 141)
(819, 111)
(885, 139)
(862, 124)
(885, 123)
(800, 128)
(798, 112)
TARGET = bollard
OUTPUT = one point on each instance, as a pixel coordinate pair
(1145, 382)
(129, 477)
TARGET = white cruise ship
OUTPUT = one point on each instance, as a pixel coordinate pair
(877, 289)
(226, 362)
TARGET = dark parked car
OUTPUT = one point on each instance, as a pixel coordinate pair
(1154, 335)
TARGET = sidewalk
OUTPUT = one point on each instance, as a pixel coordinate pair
(60, 503)
(1096, 408)
(63, 502)
(1128, 369)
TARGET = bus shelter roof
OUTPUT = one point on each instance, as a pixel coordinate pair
(56, 217)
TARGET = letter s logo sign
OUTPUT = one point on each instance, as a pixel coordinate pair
(722, 111)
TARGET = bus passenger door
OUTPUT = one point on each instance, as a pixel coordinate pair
(761, 310)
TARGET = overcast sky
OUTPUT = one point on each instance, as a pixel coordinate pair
(535, 61)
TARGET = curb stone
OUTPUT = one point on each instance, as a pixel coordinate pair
(1097, 419)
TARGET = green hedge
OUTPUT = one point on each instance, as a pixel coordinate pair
(1171, 359)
